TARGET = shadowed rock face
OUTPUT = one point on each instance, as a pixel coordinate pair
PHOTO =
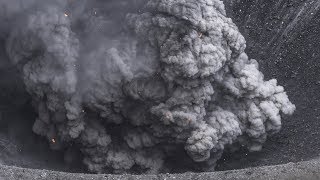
(286, 51)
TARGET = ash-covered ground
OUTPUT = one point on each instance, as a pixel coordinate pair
(209, 97)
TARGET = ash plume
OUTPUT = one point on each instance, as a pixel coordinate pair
(132, 84)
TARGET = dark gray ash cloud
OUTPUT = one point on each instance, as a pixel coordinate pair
(134, 83)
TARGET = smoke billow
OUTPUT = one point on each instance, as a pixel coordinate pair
(133, 84)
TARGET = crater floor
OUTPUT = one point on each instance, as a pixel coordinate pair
(303, 170)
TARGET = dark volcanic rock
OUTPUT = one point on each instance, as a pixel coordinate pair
(303, 170)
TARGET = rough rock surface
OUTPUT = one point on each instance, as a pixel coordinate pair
(294, 171)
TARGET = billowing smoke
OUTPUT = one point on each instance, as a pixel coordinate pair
(133, 84)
